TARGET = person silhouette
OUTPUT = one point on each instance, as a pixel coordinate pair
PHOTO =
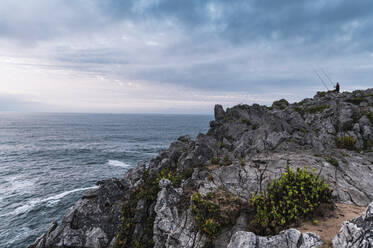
(337, 87)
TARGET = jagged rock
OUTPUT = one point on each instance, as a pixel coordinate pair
(356, 233)
(170, 229)
(290, 238)
(92, 222)
(135, 174)
(96, 238)
(167, 214)
(351, 180)
(219, 112)
(202, 151)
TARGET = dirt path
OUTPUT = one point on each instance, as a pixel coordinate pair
(328, 227)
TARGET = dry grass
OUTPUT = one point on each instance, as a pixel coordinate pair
(229, 204)
(212, 167)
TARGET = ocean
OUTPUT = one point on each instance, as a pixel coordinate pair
(48, 160)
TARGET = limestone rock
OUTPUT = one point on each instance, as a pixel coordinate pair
(170, 229)
(356, 233)
(290, 238)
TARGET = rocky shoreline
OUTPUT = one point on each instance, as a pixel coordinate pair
(245, 148)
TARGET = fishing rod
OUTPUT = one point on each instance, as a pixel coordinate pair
(327, 76)
(321, 80)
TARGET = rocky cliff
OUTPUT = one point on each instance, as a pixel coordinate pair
(245, 148)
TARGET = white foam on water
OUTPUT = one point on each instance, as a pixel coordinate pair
(60, 196)
(118, 163)
(15, 184)
(50, 201)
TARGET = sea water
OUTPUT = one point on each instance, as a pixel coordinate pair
(48, 160)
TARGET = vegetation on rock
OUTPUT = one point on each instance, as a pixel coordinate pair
(214, 211)
(281, 104)
(316, 109)
(215, 160)
(345, 142)
(355, 100)
(310, 110)
(368, 146)
(226, 161)
(175, 177)
(369, 114)
(332, 161)
(246, 121)
(147, 193)
(294, 196)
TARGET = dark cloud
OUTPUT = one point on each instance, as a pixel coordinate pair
(239, 21)
(246, 21)
(254, 46)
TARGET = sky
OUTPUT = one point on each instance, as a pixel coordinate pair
(178, 56)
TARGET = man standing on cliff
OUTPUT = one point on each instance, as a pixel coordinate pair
(337, 87)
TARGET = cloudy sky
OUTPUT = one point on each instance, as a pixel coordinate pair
(178, 56)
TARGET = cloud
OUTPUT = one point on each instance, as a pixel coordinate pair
(239, 21)
(217, 47)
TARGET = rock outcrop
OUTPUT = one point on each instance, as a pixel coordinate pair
(245, 148)
(92, 222)
(357, 233)
(290, 238)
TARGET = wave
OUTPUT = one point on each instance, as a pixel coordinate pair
(118, 163)
(50, 201)
(60, 196)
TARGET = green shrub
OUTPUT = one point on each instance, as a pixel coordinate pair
(303, 130)
(255, 126)
(368, 146)
(210, 178)
(332, 161)
(215, 160)
(316, 109)
(345, 142)
(175, 177)
(226, 161)
(221, 144)
(214, 211)
(243, 162)
(355, 100)
(295, 195)
(369, 114)
(300, 110)
(281, 104)
(246, 121)
(321, 93)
